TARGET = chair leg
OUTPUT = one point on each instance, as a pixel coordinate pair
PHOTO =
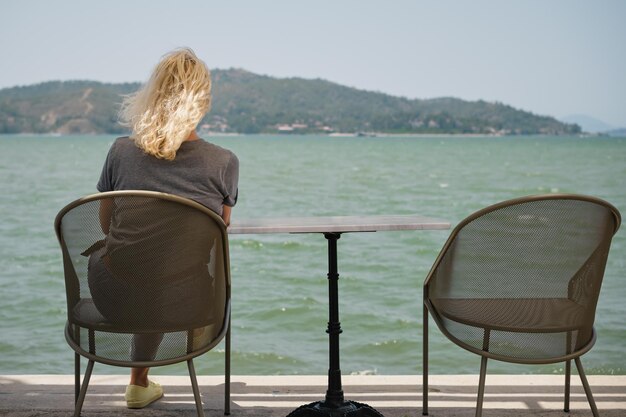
(583, 378)
(76, 367)
(83, 389)
(425, 362)
(227, 373)
(481, 386)
(194, 386)
(76, 377)
(568, 373)
(483, 375)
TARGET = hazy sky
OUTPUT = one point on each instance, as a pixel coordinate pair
(555, 57)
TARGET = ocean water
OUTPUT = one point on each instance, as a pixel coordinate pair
(279, 281)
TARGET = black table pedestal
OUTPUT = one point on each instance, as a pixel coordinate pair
(347, 409)
(334, 405)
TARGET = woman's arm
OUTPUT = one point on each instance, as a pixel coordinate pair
(106, 211)
(226, 210)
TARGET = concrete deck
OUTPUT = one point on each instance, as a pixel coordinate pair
(270, 396)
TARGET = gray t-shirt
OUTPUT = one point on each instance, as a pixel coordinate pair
(201, 171)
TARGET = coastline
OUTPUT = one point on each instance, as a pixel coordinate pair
(336, 135)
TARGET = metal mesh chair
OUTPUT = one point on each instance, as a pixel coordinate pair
(519, 282)
(147, 282)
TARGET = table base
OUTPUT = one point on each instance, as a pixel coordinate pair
(334, 405)
(347, 409)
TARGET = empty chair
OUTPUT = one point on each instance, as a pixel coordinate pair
(519, 282)
(147, 282)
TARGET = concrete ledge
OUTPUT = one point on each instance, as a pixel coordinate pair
(269, 396)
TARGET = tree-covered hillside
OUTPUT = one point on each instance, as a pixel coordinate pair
(248, 103)
(62, 107)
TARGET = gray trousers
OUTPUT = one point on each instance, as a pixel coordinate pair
(148, 303)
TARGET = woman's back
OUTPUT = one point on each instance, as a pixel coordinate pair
(201, 171)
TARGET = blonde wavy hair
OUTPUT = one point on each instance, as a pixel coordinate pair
(170, 105)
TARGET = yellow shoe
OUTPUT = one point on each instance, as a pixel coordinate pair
(139, 397)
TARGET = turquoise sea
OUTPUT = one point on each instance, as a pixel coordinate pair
(279, 281)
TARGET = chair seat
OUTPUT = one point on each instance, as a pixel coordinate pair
(86, 314)
(527, 315)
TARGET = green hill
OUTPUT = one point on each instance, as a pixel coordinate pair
(249, 103)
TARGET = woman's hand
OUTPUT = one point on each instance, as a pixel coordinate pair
(226, 210)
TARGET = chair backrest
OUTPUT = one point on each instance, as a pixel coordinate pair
(147, 263)
(535, 254)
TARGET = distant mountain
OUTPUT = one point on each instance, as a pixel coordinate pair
(587, 123)
(621, 133)
(249, 103)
